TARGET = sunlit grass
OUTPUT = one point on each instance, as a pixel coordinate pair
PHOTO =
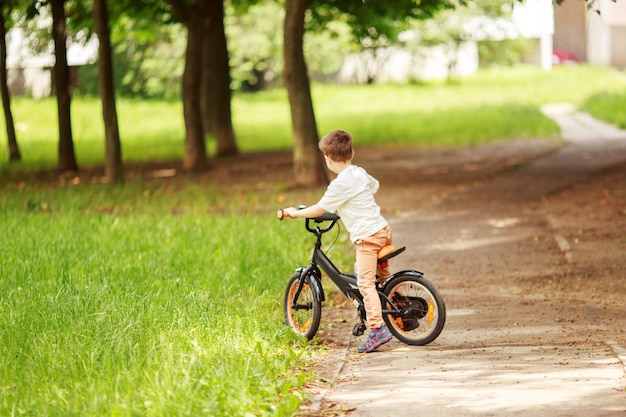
(610, 107)
(149, 130)
(141, 301)
(492, 105)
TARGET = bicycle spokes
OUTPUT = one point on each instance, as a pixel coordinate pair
(302, 307)
(417, 313)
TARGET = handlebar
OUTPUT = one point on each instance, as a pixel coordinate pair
(326, 217)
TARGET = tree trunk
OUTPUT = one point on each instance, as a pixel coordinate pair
(14, 150)
(217, 83)
(113, 167)
(206, 99)
(308, 161)
(195, 148)
(193, 16)
(67, 159)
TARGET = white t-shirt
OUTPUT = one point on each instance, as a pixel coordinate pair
(351, 196)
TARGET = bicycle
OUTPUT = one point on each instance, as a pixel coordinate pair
(412, 307)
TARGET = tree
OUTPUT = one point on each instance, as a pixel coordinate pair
(67, 158)
(368, 19)
(206, 80)
(193, 16)
(14, 150)
(216, 82)
(113, 167)
(308, 162)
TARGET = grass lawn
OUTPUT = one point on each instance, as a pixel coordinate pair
(140, 301)
(495, 104)
(610, 107)
(165, 299)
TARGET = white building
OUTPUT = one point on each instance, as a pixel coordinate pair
(30, 74)
(532, 19)
(597, 36)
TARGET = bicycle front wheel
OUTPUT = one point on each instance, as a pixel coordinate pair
(303, 310)
(422, 312)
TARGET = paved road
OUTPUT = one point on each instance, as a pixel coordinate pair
(502, 353)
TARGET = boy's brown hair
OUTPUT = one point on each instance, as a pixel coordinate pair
(337, 145)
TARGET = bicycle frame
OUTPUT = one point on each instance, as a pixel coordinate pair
(347, 283)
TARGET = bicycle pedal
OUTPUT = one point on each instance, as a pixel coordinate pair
(359, 329)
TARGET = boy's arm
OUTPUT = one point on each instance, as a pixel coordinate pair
(309, 212)
(373, 183)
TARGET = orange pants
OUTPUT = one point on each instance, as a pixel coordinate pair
(367, 268)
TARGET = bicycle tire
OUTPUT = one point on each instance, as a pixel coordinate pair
(423, 306)
(302, 315)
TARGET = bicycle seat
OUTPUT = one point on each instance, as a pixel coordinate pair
(388, 252)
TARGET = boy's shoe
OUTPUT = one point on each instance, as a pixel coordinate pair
(376, 338)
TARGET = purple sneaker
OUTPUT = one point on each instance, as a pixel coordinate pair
(376, 338)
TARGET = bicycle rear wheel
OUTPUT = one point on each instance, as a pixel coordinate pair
(302, 314)
(422, 310)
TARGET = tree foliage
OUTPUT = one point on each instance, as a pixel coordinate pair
(255, 37)
(375, 19)
(255, 42)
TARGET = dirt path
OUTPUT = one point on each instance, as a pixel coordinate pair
(527, 242)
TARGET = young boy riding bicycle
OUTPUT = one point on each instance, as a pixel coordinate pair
(351, 195)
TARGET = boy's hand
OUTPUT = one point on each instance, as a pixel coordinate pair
(286, 212)
(300, 212)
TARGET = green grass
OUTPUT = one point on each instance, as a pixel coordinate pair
(140, 301)
(610, 107)
(492, 105)
(495, 104)
(149, 130)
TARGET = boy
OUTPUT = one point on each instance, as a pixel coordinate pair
(351, 195)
